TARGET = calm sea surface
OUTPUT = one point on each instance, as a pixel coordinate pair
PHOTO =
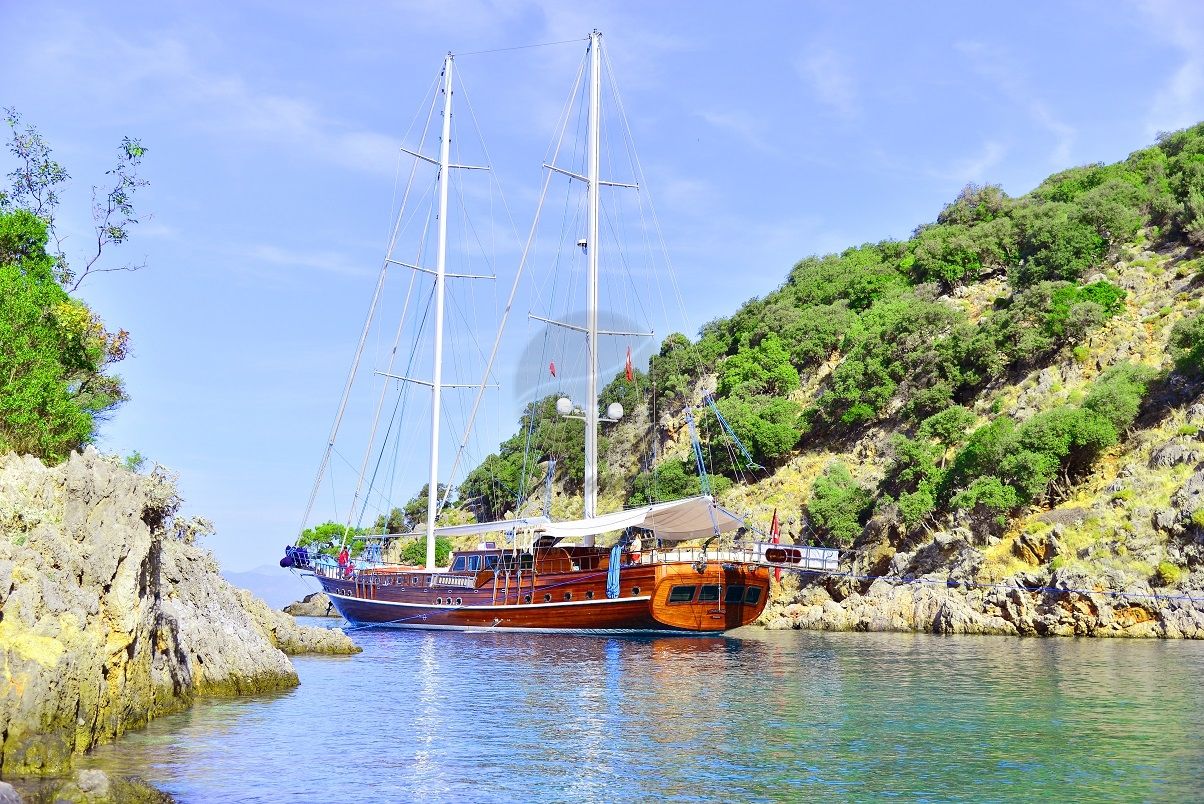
(755, 716)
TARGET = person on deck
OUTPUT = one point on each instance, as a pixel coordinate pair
(344, 560)
(636, 547)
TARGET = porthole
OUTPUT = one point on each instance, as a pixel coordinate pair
(589, 595)
(568, 595)
(526, 598)
(635, 590)
(459, 601)
(438, 601)
(547, 598)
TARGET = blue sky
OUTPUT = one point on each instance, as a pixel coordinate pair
(767, 132)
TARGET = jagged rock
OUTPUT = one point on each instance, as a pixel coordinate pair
(106, 619)
(8, 795)
(1190, 496)
(1166, 519)
(315, 604)
(1172, 454)
(291, 638)
(1033, 549)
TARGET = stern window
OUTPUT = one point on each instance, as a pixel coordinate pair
(709, 593)
(752, 595)
(735, 594)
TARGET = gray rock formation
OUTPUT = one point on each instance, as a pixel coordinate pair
(109, 618)
(933, 605)
(316, 604)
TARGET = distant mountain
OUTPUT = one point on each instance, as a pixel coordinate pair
(277, 587)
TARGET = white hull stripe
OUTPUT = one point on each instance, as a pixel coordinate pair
(498, 607)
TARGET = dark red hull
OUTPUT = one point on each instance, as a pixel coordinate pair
(552, 602)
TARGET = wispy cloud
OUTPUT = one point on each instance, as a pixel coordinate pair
(324, 261)
(974, 168)
(830, 79)
(1179, 101)
(995, 65)
(743, 126)
(166, 76)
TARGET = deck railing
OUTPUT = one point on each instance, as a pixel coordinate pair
(765, 554)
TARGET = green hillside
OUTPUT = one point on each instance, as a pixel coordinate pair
(1018, 357)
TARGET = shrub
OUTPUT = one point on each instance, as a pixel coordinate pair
(1187, 344)
(1197, 517)
(838, 507)
(1168, 574)
(1117, 394)
(769, 426)
(1055, 243)
(415, 552)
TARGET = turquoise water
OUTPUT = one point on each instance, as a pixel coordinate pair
(755, 716)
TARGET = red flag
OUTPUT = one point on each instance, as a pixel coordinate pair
(775, 536)
(552, 368)
(630, 371)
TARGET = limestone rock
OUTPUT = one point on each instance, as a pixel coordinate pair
(1172, 454)
(291, 638)
(108, 620)
(315, 604)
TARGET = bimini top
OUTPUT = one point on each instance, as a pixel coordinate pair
(676, 520)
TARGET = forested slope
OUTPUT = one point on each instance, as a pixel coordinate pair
(1023, 373)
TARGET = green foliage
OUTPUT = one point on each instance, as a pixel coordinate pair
(987, 494)
(135, 461)
(1116, 395)
(672, 480)
(414, 552)
(838, 507)
(1056, 243)
(763, 369)
(948, 428)
(1187, 344)
(769, 426)
(1168, 574)
(395, 522)
(53, 351)
(328, 537)
(1197, 517)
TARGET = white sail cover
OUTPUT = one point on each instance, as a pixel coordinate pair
(677, 520)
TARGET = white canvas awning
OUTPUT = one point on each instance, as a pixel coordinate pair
(677, 520)
(691, 518)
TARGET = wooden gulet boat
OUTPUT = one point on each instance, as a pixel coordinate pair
(551, 576)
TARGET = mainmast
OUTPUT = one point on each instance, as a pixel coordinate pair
(592, 243)
(432, 493)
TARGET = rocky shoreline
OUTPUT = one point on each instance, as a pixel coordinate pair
(111, 615)
(931, 605)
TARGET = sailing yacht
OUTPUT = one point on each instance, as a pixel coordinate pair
(537, 574)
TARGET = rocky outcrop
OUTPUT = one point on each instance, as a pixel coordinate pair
(1064, 605)
(315, 604)
(110, 616)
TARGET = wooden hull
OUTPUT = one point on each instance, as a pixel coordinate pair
(572, 602)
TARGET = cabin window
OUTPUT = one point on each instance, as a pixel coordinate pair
(681, 594)
(589, 595)
(752, 595)
(458, 565)
(709, 593)
(635, 590)
(568, 595)
(547, 598)
(491, 562)
(735, 594)
(474, 563)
